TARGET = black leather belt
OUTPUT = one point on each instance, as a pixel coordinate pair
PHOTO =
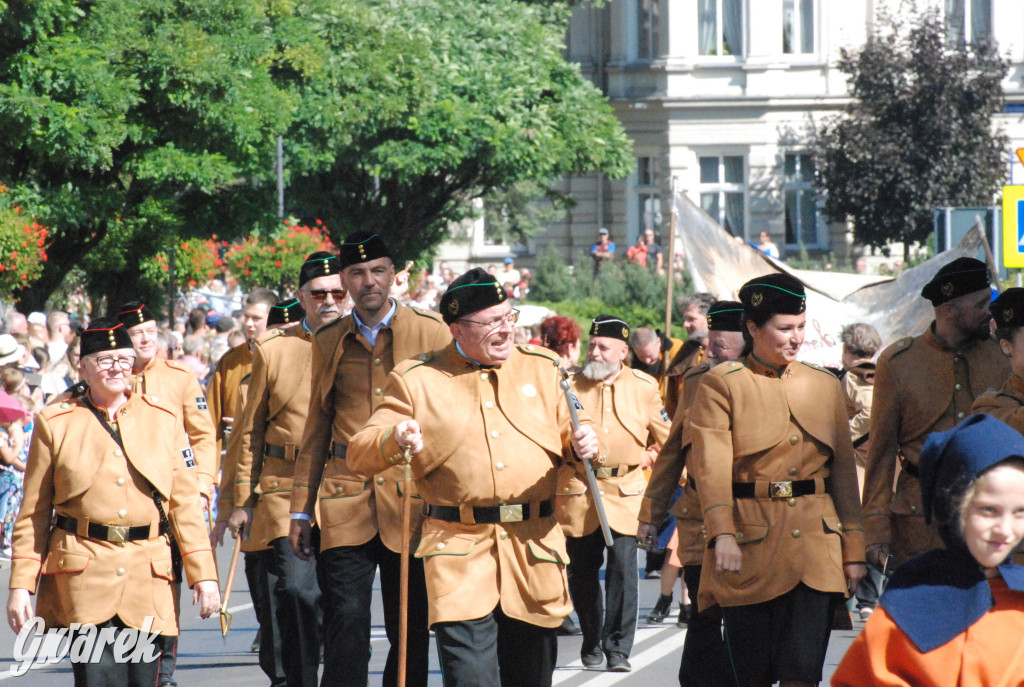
(910, 468)
(616, 471)
(290, 452)
(489, 515)
(111, 533)
(339, 450)
(776, 490)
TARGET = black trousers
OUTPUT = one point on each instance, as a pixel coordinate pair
(108, 672)
(296, 595)
(346, 579)
(169, 644)
(261, 583)
(610, 625)
(705, 659)
(496, 650)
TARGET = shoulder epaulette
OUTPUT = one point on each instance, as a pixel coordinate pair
(900, 346)
(156, 403)
(727, 368)
(333, 323)
(1003, 394)
(413, 363)
(429, 314)
(640, 374)
(180, 367)
(269, 336)
(819, 368)
(699, 370)
(58, 409)
(530, 349)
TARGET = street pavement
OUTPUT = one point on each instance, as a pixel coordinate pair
(207, 660)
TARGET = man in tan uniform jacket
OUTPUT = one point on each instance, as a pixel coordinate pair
(487, 427)
(359, 518)
(176, 385)
(271, 426)
(118, 470)
(222, 392)
(704, 662)
(691, 355)
(925, 384)
(627, 407)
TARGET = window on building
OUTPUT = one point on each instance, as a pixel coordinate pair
(797, 26)
(722, 191)
(647, 21)
(801, 201)
(720, 27)
(648, 205)
(968, 21)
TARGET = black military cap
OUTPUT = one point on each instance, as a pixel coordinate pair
(958, 278)
(472, 291)
(319, 264)
(285, 312)
(610, 326)
(725, 316)
(776, 293)
(133, 313)
(1008, 309)
(104, 334)
(362, 246)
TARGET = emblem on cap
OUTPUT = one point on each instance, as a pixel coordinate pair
(625, 332)
(1007, 314)
(453, 307)
(756, 298)
(803, 304)
(947, 289)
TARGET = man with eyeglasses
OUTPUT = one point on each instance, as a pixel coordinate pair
(174, 384)
(627, 406)
(271, 426)
(115, 466)
(487, 427)
(360, 520)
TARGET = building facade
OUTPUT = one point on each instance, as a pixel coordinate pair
(725, 95)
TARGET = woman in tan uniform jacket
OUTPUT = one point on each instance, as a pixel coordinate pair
(773, 465)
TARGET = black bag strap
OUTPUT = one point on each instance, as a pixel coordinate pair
(165, 524)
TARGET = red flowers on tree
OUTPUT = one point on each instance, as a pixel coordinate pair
(23, 243)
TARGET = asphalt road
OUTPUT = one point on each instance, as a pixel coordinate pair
(207, 660)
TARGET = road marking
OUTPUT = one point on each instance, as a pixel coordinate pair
(648, 657)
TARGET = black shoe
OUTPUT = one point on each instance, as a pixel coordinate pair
(684, 614)
(255, 646)
(652, 575)
(568, 628)
(593, 658)
(660, 609)
(167, 682)
(618, 663)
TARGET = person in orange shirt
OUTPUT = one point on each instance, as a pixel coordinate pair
(955, 616)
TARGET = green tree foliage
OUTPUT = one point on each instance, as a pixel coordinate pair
(478, 97)
(918, 134)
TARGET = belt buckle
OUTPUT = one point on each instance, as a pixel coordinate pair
(117, 533)
(513, 513)
(604, 473)
(781, 490)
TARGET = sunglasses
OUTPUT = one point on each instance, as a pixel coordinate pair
(320, 295)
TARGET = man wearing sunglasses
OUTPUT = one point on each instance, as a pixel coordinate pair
(487, 427)
(271, 427)
(360, 520)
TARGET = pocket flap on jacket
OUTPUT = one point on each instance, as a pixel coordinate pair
(64, 562)
(445, 544)
(162, 568)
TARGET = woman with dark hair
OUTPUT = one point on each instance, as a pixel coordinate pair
(562, 335)
(773, 466)
(1007, 404)
(955, 616)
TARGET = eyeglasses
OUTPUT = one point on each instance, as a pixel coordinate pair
(320, 295)
(108, 362)
(510, 320)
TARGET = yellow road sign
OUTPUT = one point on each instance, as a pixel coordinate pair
(1013, 226)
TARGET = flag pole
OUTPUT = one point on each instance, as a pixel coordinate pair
(671, 261)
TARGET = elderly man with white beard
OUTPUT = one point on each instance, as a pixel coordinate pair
(626, 406)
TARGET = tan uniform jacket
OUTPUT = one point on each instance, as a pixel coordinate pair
(259, 536)
(750, 425)
(274, 414)
(222, 394)
(669, 471)
(630, 418)
(76, 468)
(689, 357)
(921, 386)
(490, 437)
(1007, 404)
(348, 385)
(177, 386)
